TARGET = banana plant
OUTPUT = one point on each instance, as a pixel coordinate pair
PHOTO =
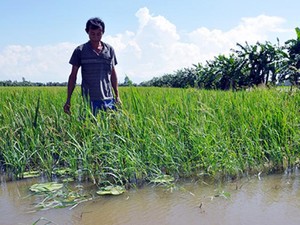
(291, 70)
(261, 62)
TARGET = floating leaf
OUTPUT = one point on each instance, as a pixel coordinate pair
(62, 172)
(46, 187)
(61, 198)
(111, 190)
(163, 179)
(71, 199)
(70, 179)
(31, 174)
(225, 194)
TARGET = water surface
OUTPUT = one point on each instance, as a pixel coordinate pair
(265, 199)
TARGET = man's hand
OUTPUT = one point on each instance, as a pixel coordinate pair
(67, 107)
(118, 100)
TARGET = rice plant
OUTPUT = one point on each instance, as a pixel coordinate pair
(157, 131)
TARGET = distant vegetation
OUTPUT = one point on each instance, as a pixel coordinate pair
(25, 83)
(247, 66)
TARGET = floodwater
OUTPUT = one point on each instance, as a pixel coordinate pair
(259, 200)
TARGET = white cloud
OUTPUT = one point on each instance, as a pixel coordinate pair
(38, 64)
(155, 48)
(214, 42)
(158, 48)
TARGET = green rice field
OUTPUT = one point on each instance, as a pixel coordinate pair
(157, 131)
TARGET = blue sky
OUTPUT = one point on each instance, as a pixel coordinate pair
(151, 38)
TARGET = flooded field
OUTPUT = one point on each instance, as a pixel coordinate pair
(264, 199)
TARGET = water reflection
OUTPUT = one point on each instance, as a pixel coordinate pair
(272, 199)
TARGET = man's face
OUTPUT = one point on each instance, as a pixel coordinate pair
(95, 35)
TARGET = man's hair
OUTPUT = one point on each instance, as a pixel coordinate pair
(95, 23)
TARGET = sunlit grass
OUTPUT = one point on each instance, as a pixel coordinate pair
(178, 132)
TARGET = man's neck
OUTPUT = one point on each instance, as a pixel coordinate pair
(97, 46)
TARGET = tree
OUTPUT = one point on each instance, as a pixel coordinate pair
(222, 73)
(291, 70)
(260, 61)
(127, 82)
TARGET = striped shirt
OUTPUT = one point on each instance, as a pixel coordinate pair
(96, 70)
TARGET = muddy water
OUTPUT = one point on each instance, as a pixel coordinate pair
(272, 199)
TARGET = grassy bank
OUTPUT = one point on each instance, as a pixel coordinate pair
(180, 132)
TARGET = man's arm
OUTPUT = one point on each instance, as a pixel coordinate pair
(71, 87)
(114, 84)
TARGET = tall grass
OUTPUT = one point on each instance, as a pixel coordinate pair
(181, 132)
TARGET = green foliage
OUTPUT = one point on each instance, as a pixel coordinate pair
(25, 83)
(111, 190)
(298, 33)
(222, 73)
(249, 66)
(183, 78)
(127, 82)
(57, 195)
(157, 132)
(260, 63)
(291, 71)
(45, 187)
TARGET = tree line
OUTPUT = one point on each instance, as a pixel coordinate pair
(247, 66)
(24, 82)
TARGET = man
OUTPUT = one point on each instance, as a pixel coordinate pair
(97, 61)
